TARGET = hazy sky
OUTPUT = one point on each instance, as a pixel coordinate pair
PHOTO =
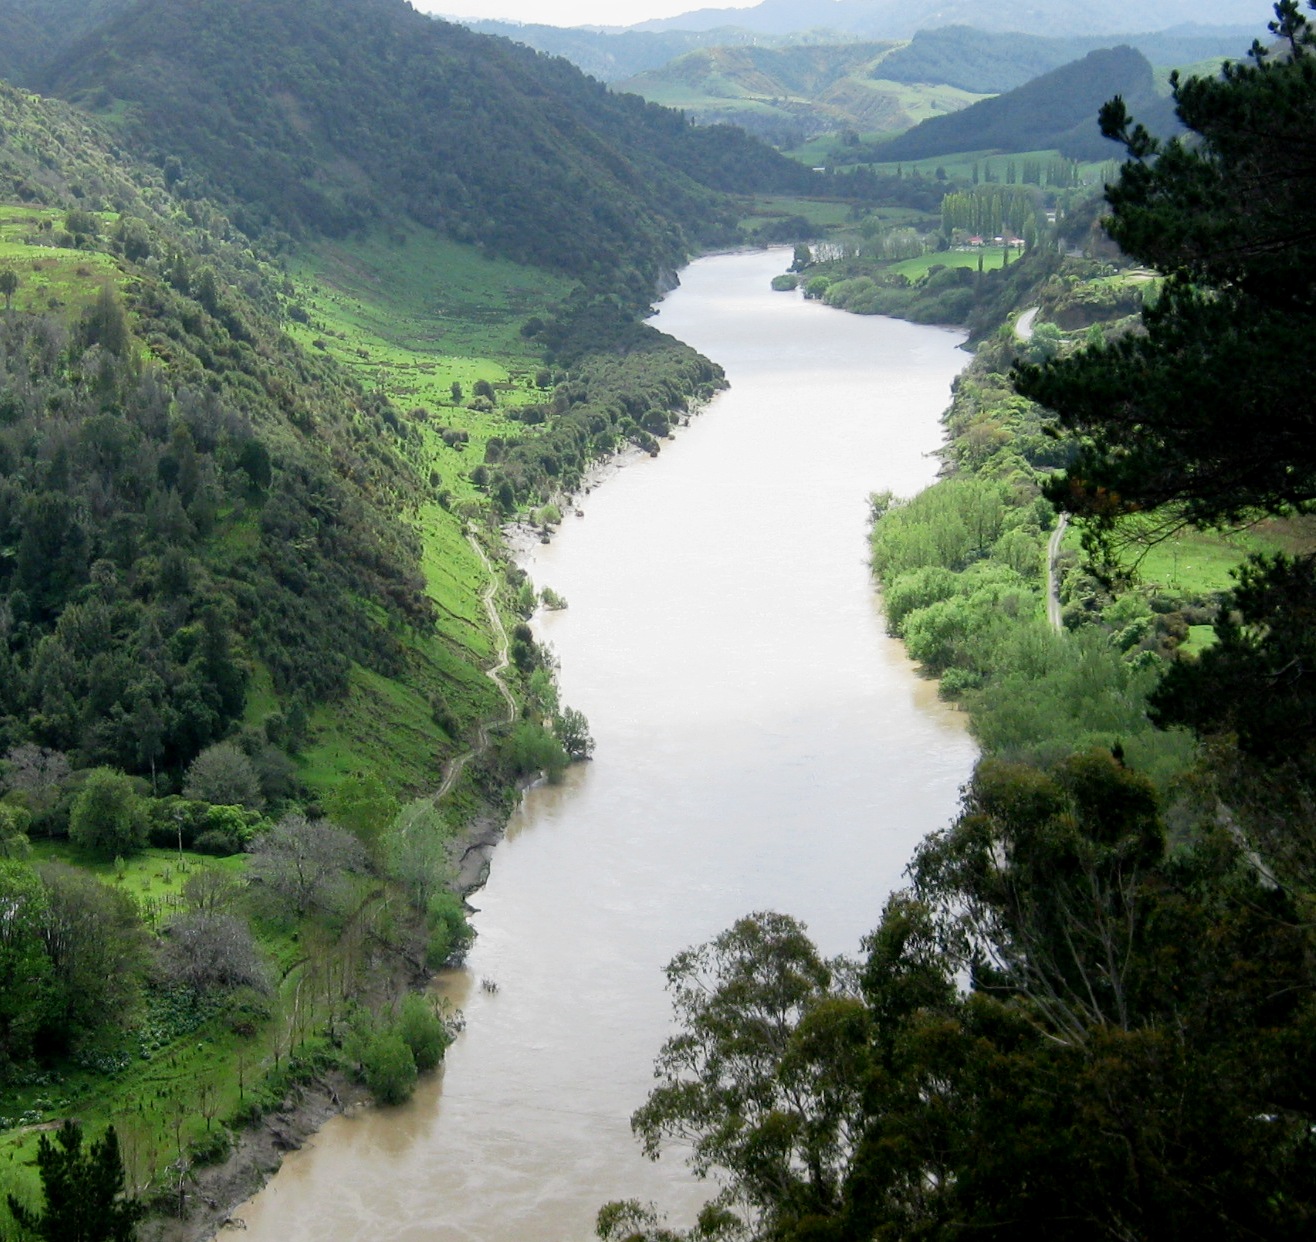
(575, 12)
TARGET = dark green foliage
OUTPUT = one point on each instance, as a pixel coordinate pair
(1211, 408)
(1128, 1061)
(27, 979)
(572, 730)
(98, 952)
(628, 383)
(83, 1191)
(450, 935)
(1255, 683)
(33, 31)
(1209, 414)
(1056, 110)
(263, 102)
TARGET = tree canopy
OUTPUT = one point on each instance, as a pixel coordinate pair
(1212, 407)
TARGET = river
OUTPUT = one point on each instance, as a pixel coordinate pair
(761, 744)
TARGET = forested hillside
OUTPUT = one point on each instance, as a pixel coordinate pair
(32, 32)
(315, 116)
(185, 491)
(1055, 111)
(250, 481)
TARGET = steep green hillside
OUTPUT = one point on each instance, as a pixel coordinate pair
(321, 117)
(1057, 110)
(202, 518)
(788, 94)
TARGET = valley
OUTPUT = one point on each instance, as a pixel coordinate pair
(330, 374)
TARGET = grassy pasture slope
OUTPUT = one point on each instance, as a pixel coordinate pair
(412, 314)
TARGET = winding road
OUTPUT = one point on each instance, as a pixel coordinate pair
(1052, 583)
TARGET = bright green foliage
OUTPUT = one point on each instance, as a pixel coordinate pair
(415, 850)
(530, 749)
(449, 933)
(27, 979)
(988, 211)
(949, 526)
(108, 816)
(364, 806)
(422, 1030)
(83, 1191)
(390, 1068)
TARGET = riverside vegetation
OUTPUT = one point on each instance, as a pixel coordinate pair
(248, 432)
(1090, 1013)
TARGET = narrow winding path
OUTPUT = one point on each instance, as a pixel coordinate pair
(1052, 579)
(495, 674)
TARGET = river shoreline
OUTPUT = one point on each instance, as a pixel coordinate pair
(493, 1106)
(220, 1190)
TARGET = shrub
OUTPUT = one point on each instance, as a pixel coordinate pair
(422, 1031)
(390, 1068)
(449, 933)
(223, 775)
(108, 817)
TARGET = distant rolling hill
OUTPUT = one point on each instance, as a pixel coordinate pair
(894, 19)
(980, 61)
(789, 94)
(614, 55)
(1057, 110)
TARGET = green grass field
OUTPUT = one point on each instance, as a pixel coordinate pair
(51, 278)
(992, 257)
(825, 214)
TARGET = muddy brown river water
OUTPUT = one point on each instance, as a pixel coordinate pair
(761, 744)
